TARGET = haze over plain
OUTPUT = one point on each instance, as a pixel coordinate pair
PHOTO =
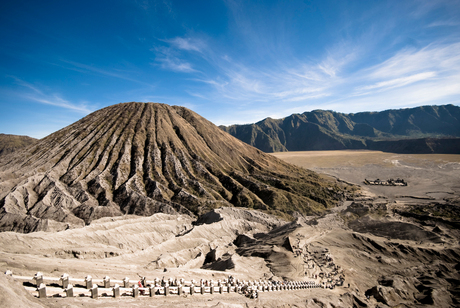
(230, 61)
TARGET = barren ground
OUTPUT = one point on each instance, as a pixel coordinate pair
(428, 175)
(387, 258)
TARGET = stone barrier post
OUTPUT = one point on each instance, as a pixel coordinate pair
(116, 291)
(94, 291)
(69, 290)
(126, 282)
(89, 282)
(179, 289)
(166, 289)
(106, 282)
(41, 290)
(211, 289)
(135, 291)
(192, 289)
(221, 289)
(202, 289)
(64, 280)
(38, 279)
(152, 291)
(229, 288)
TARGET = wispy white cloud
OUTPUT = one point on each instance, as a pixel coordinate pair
(431, 91)
(175, 64)
(394, 83)
(54, 99)
(436, 64)
(436, 56)
(444, 23)
(187, 43)
(85, 68)
(288, 82)
(169, 59)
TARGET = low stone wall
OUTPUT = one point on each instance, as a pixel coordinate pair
(66, 286)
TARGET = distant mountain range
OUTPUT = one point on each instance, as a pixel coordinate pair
(425, 129)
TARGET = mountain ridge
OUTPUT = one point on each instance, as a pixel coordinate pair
(10, 143)
(330, 130)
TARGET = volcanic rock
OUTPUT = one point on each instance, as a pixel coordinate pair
(145, 158)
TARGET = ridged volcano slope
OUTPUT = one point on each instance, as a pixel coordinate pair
(144, 158)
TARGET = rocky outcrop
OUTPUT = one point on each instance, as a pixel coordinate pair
(144, 158)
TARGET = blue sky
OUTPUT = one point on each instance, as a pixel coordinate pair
(231, 61)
